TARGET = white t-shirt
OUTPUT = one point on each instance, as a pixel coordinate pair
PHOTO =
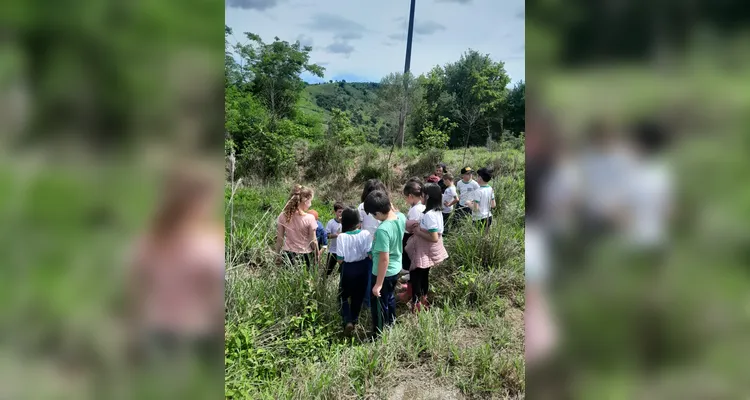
(448, 197)
(432, 221)
(369, 223)
(354, 246)
(650, 195)
(332, 228)
(484, 197)
(415, 212)
(464, 188)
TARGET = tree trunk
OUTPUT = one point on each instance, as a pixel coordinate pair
(466, 146)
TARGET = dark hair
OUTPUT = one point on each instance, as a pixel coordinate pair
(650, 137)
(448, 176)
(433, 197)
(377, 202)
(371, 186)
(349, 219)
(413, 188)
(443, 167)
(485, 174)
(338, 206)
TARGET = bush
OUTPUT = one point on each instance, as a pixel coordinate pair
(432, 138)
(328, 159)
(426, 163)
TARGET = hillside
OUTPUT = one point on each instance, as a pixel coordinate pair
(359, 99)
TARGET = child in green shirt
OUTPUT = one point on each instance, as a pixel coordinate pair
(387, 250)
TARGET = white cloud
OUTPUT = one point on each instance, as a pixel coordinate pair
(368, 39)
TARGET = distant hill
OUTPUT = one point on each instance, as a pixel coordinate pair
(357, 98)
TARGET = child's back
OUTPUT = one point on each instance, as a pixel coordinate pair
(353, 246)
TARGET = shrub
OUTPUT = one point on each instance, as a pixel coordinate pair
(432, 138)
(426, 163)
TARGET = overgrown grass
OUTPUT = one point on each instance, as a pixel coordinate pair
(283, 329)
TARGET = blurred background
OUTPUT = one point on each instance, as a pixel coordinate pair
(99, 100)
(638, 214)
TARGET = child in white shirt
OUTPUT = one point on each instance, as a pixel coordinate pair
(466, 185)
(353, 254)
(369, 223)
(450, 197)
(483, 201)
(333, 228)
(413, 194)
(426, 248)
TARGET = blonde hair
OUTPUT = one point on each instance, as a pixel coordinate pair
(299, 195)
(182, 190)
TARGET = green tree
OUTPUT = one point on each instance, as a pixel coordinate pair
(477, 86)
(275, 70)
(514, 110)
(341, 131)
(397, 92)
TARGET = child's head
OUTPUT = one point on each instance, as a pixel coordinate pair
(188, 195)
(413, 192)
(448, 179)
(466, 174)
(299, 200)
(649, 138)
(378, 204)
(371, 186)
(313, 213)
(349, 219)
(441, 170)
(485, 175)
(432, 197)
(338, 208)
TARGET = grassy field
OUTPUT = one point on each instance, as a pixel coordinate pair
(283, 330)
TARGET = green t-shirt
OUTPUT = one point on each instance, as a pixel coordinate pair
(389, 239)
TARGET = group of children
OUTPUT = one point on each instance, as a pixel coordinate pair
(375, 244)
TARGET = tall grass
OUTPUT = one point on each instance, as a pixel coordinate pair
(284, 333)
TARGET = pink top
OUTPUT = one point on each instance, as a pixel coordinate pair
(425, 254)
(298, 232)
(180, 284)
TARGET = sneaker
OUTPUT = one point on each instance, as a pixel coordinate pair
(349, 329)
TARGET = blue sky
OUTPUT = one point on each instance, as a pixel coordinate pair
(366, 40)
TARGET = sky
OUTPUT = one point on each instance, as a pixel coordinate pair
(362, 41)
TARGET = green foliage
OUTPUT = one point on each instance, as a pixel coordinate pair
(514, 109)
(340, 129)
(435, 137)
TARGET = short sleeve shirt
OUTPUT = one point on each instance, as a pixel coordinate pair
(484, 197)
(448, 196)
(432, 222)
(298, 232)
(354, 246)
(389, 239)
(416, 212)
(464, 188)
(369, 223)
(332, 228)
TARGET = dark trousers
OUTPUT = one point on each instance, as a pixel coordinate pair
(405, 260)
(353, 281)
(305, 258)
(331, 264)
(383, 309)
(420, 283)
(447, 222)
(483, 224)
(461, 212)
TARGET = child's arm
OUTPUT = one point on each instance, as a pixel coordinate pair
(382, 268)
(428, 236)
(493, 203)
(279, 237)
(452, 203)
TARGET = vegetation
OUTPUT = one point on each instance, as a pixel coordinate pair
(283, 330)
(269, 107)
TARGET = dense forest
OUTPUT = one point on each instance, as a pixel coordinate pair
(269, 107)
